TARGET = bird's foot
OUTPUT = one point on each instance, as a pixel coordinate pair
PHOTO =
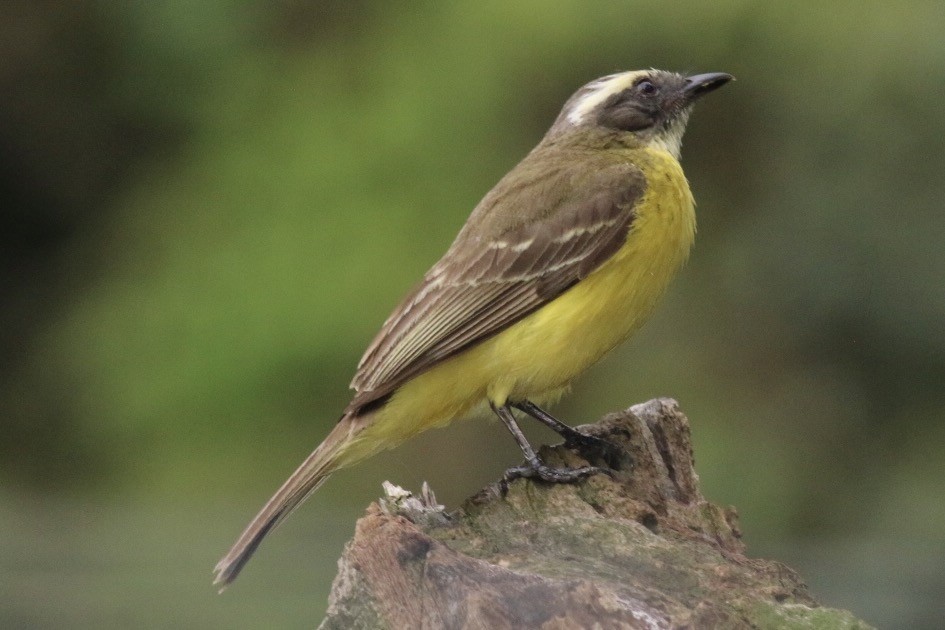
(549, 474)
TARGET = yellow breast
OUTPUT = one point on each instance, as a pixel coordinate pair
(546, 350)
(543, 352)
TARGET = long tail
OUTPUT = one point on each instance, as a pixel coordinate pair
(304, 481)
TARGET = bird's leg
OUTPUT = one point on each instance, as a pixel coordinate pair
(534, 467)
(572, 437)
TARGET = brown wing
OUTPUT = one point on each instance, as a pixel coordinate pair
(502, 267)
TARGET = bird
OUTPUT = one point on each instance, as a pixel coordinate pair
(559, 263)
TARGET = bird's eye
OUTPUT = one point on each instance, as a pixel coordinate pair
(647, 88)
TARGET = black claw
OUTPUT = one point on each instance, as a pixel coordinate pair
(549, 474)
(533, 468)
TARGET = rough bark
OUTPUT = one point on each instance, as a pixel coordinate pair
(641, 548)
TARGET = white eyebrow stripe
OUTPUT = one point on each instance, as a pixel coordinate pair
(600, 90)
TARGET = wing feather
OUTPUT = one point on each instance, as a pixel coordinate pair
(502, 268)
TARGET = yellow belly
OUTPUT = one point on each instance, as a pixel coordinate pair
(543, 352)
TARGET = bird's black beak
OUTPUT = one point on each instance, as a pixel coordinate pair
(701, 84)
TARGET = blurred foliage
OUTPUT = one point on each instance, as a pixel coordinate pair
(206, 210)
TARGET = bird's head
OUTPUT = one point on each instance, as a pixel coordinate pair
(652, 105)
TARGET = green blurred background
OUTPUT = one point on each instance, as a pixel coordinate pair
(207, 209)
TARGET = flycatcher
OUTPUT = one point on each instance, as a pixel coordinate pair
(558, 264)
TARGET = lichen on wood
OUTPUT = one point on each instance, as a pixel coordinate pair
(638, 548)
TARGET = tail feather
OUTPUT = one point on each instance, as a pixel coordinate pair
(306, 479)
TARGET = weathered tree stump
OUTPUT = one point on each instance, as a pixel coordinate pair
(639, 549)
